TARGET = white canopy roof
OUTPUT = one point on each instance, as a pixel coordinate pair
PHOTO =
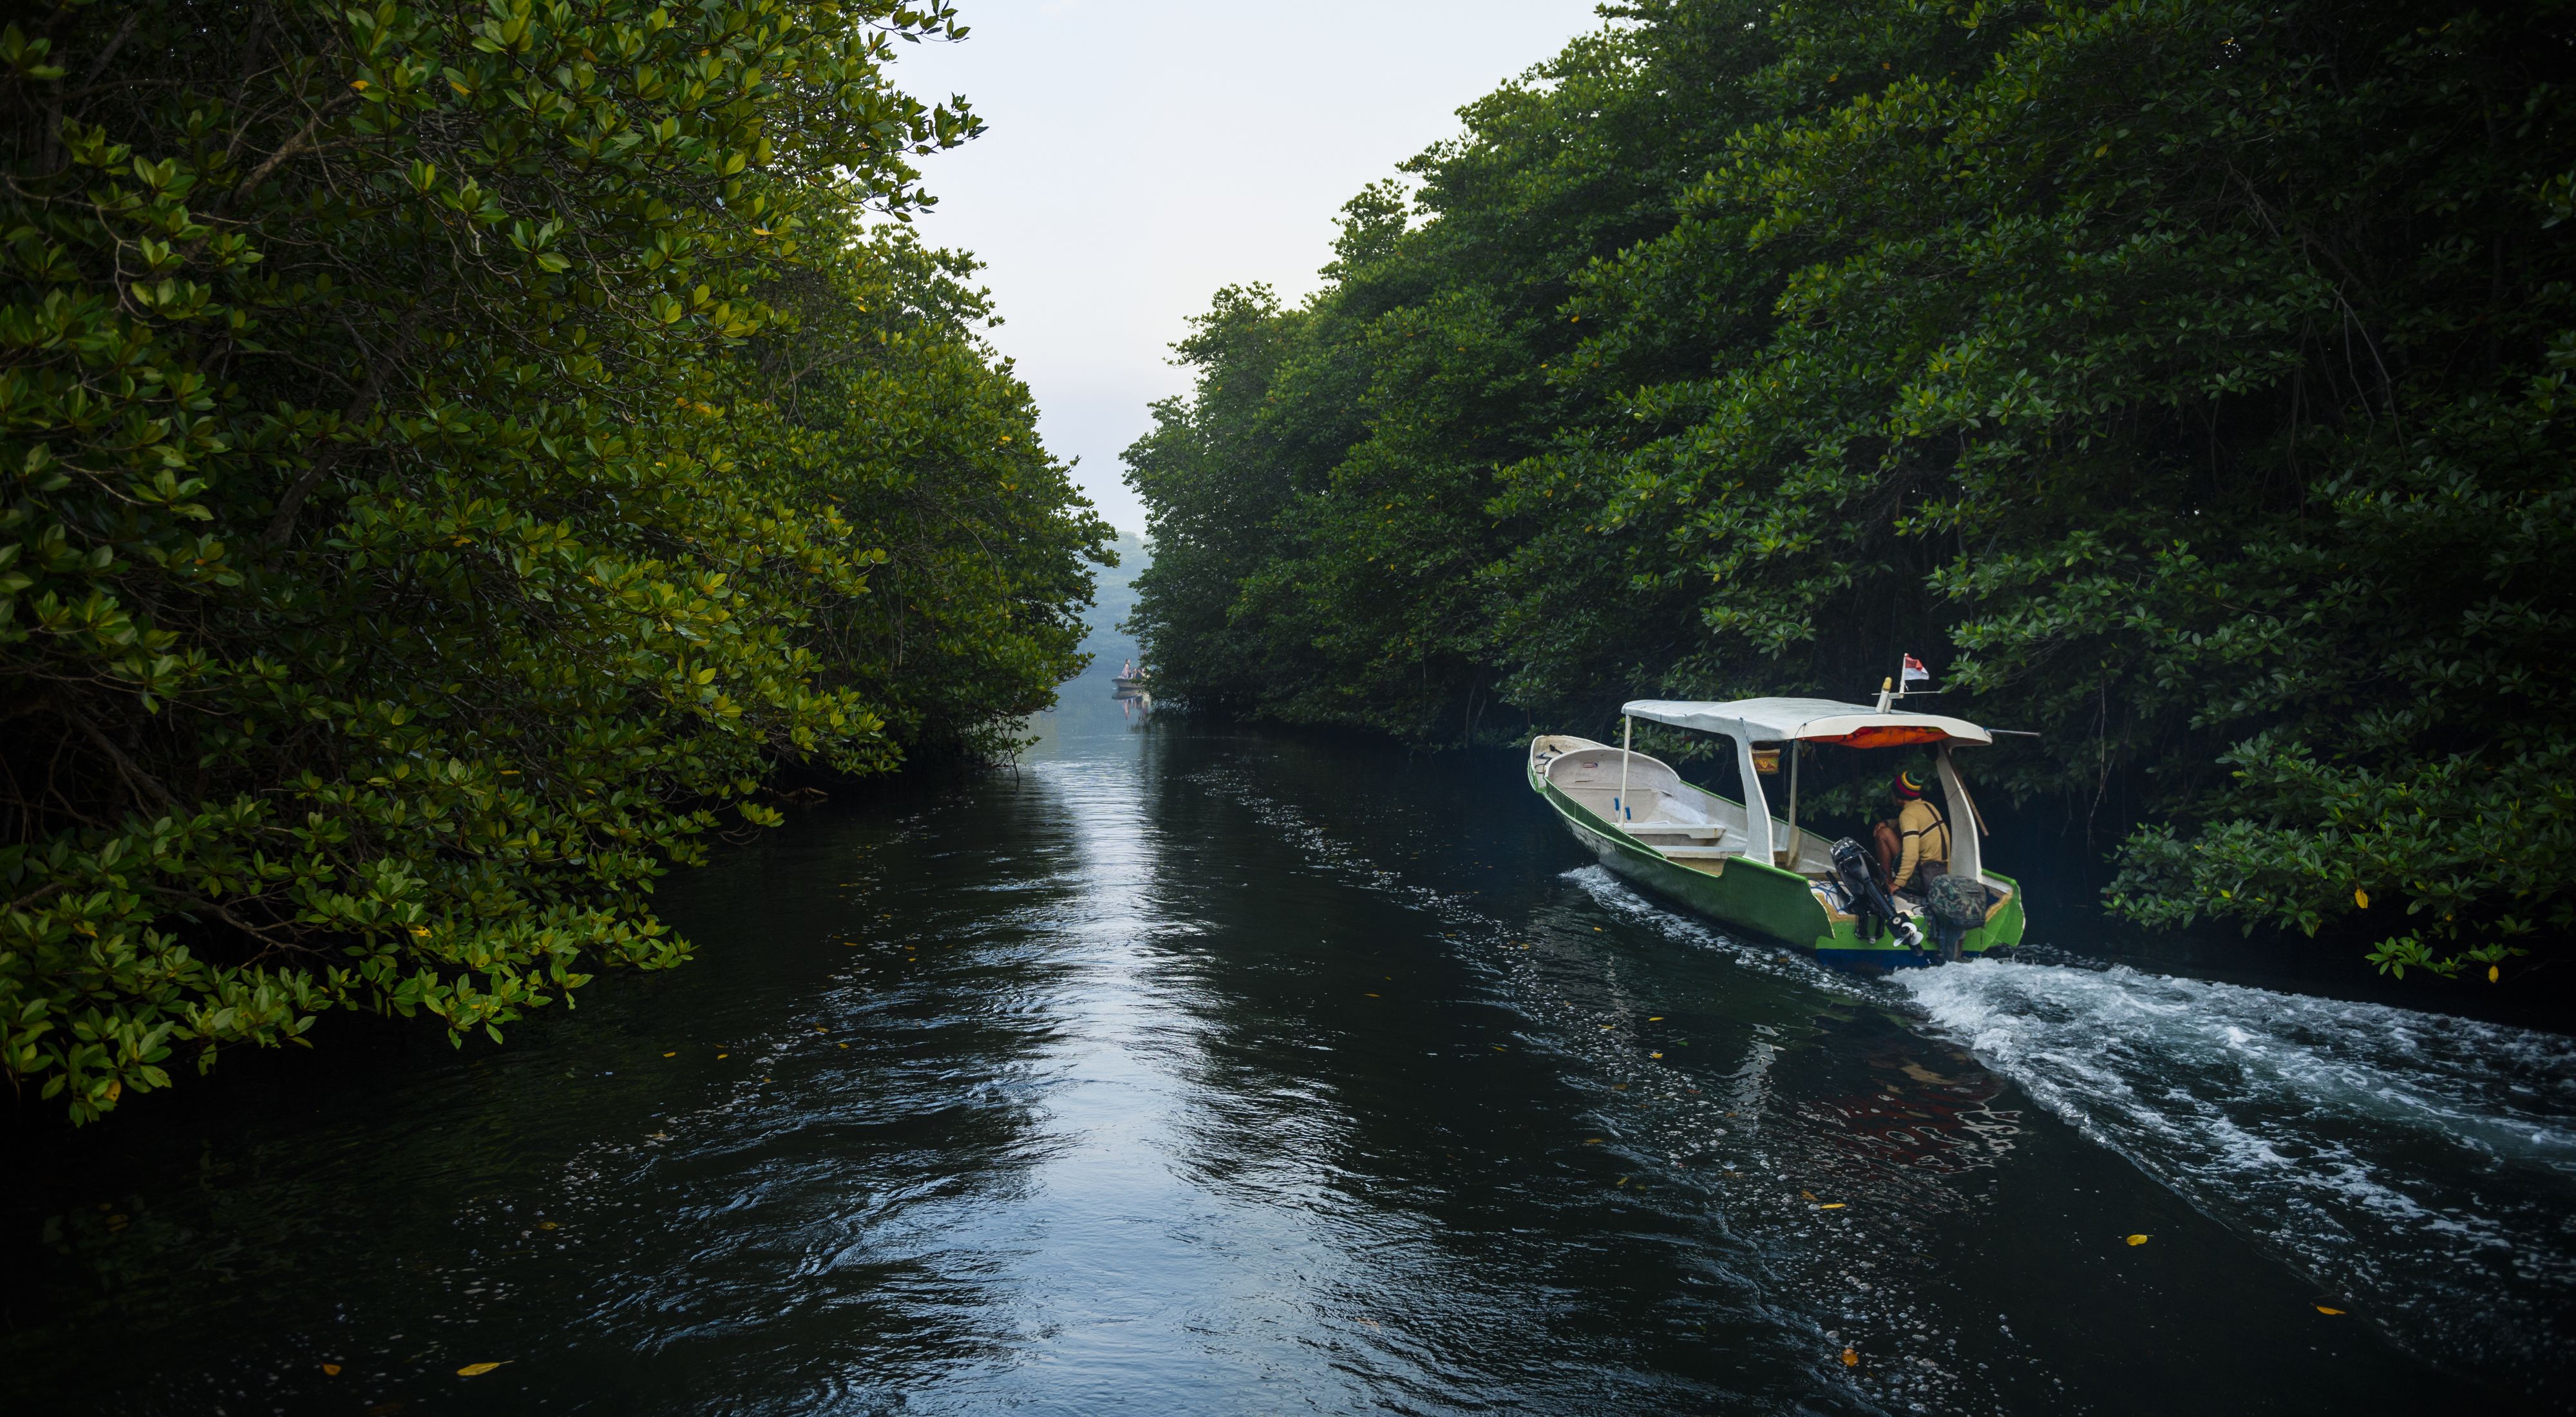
(1815, 720)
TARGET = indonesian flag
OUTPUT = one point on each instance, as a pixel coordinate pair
(1914, 670)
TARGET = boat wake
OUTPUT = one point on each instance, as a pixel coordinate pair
(2423, 1166)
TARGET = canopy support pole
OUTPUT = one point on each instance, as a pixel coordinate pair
(1797, 750)
(1967, 851)
(1627, 735)
(1757, 810)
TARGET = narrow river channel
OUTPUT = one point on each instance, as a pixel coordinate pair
(1189, 1070)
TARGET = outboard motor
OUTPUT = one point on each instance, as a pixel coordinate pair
(1859, 873)
(1955, 905)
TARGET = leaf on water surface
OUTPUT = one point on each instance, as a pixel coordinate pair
(1851, 1357)
(2137, 1239)
(670, 1055)
(1369, 996)
(548, 1225)
(844, 1045)
(1654, 1055)
(330, 1370)
(2322, 1309)
(1802, 1195)
(1831, 1205)
(720, 1057)
(1592, 1141)
(476, 1370)
(1659, 1018)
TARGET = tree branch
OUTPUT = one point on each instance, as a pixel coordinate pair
(283, 524)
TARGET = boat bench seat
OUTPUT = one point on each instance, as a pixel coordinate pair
(1692, 829)
(1694, 853)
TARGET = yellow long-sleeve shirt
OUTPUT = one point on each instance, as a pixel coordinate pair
(1921, 837)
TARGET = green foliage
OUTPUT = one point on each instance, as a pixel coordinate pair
(2195, 374)
(454, 453)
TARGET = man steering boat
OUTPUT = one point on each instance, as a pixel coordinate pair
(1914, 849)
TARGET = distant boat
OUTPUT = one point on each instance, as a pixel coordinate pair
(1130, 681)
(1756, 872)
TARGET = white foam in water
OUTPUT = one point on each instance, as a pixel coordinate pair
(2421, 1164)
(1616, 895)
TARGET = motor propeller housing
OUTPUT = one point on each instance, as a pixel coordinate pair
(1859, 873)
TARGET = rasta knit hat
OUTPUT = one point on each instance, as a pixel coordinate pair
(1907, 785)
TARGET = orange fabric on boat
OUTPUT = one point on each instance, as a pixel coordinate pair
(1895, 736)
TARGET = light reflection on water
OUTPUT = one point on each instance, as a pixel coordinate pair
(1177, 1072)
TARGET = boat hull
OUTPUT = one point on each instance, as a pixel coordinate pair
(1762, 899)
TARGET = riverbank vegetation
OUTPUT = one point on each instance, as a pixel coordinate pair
(453, 454)
(2188, 381)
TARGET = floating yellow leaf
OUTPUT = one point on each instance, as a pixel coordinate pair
(1654, 1055)
(2361, 897)
(843, 1045)
(670, 1055)
(548, 1225)
(476, 1370)
(1659, 1018)
(1592, 1141)
(330, 1370)
(720, 1057)
(1806, 1195)
(2322, 1309)
(1831, 1205)
(2137, 1239)
(1851, 1357)
(1368, 996)
(2492, 972)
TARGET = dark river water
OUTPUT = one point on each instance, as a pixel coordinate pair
(1193, 1070)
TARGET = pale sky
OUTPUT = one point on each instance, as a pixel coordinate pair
(1142, 153)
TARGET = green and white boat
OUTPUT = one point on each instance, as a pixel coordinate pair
(1756, 872)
